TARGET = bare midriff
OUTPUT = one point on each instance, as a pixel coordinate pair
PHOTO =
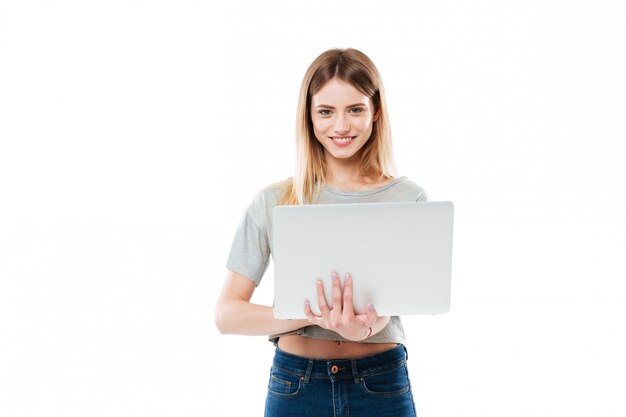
(330, 349)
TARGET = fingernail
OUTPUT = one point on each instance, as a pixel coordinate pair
(370, 308)
(335, 277)
(348, 276)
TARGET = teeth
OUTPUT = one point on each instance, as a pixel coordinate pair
(343, 140)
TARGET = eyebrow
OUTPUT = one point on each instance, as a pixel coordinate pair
(331, 107)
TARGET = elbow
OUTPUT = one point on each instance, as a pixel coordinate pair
(220, 318)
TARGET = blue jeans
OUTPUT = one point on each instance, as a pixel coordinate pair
(376, 385)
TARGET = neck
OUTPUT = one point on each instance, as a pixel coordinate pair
(343, 171)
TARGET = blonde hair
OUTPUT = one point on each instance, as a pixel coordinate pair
(354, 67)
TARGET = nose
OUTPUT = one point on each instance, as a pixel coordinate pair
(341, 124)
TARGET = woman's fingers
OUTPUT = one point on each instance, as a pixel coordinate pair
(348, 308)
(321, 298)
(341, 318)
(309, 313)
(337, 303)
(372, 314)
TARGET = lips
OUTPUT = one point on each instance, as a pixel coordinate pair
(342, 141)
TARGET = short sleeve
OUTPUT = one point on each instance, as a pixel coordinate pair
(250, 251)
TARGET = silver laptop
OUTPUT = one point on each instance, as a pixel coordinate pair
(399, 256)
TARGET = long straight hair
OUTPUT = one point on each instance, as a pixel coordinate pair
(355, 68)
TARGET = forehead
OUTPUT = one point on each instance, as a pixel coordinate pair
(337, 92)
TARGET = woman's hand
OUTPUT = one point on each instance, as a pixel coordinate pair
(341, 318)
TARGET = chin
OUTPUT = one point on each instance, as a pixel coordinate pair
(343, 156)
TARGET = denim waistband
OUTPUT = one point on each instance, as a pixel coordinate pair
(337, 369)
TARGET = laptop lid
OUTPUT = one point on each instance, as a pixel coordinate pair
(399, 255)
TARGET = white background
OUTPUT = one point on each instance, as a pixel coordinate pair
(133, 134)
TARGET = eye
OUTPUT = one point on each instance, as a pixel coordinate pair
(324, 112)
(357, 110)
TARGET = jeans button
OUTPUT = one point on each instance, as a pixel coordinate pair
(334, 369)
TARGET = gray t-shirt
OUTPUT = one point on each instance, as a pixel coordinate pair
(252, 245)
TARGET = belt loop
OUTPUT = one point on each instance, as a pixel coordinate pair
(309, 369)
(355, 371)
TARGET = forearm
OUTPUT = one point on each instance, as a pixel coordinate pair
(244, 318)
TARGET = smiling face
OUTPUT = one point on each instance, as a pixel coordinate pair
(342, 119)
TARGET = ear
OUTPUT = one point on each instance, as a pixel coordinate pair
(376, 116)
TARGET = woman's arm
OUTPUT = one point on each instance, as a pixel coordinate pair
(234, 314)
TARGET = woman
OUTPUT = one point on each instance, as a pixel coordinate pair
(337, 362)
